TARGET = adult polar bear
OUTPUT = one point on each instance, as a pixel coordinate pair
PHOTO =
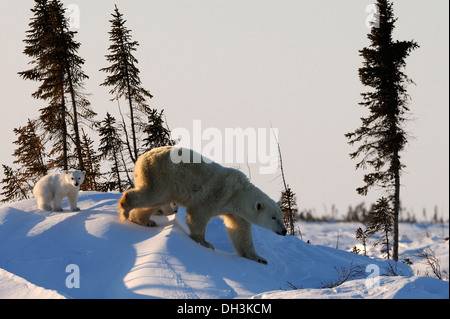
(173, 174)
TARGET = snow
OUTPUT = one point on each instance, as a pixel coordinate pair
(14, 287)
(125, 260)
(414, 238)
(397, 287)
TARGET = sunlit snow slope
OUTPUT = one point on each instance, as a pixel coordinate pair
(125, 260)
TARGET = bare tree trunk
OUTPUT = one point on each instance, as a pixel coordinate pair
(396, 206)
(75, 119)
(133, 129)
(127, 140)
(64, 130)
(116, 165)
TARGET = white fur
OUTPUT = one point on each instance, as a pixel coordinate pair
(141, 216)
(55, 187)
(207, 190)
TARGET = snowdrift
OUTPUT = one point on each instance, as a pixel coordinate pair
(125, 260)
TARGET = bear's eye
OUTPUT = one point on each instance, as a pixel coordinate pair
(258, 206)
(274, 218)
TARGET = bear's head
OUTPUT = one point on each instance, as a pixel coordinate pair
(261, 210)
(75, 178)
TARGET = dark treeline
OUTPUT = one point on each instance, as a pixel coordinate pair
(360, 213)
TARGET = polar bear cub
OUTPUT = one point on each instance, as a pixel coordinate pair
(141, 216)
(54, 187)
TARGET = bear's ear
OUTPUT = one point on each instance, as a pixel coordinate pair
(83, 172)
(258, 206)
(66, 172)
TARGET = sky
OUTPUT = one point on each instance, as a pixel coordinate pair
(219, 66)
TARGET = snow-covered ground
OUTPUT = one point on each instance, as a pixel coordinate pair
(90, 254)
(414, 238)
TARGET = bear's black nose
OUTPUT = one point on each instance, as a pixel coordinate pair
(284, 232)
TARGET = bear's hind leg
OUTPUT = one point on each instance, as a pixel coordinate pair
(44, 203)
(240, 233)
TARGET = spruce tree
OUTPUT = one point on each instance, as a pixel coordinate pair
(156, 133)
(92, 163)
(382, 136)
(111, 150)
(289, 208)
(40, 42)
(30, 154)
(14, 186)
(362, 236)
(30, 157)
(74, 76)
(124, 76)
(287, 203)
(51, 46)
(381, 221)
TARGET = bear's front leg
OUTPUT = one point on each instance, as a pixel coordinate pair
(44, 203)
(240, 233)
(72, 198)
(197, 226)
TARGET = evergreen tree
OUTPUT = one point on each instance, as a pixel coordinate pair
(381, 221)
(287, 203)
(73, 74)
(157, 134)
(111, 149)
(51, 46)
(362, 236)
(30, 154)
(382, 136)
(92, 163)
(40, 41)
(124, 77)
(30, 157)
(289, 208)
(14, 186)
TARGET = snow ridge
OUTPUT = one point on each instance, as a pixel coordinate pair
(125, 260)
